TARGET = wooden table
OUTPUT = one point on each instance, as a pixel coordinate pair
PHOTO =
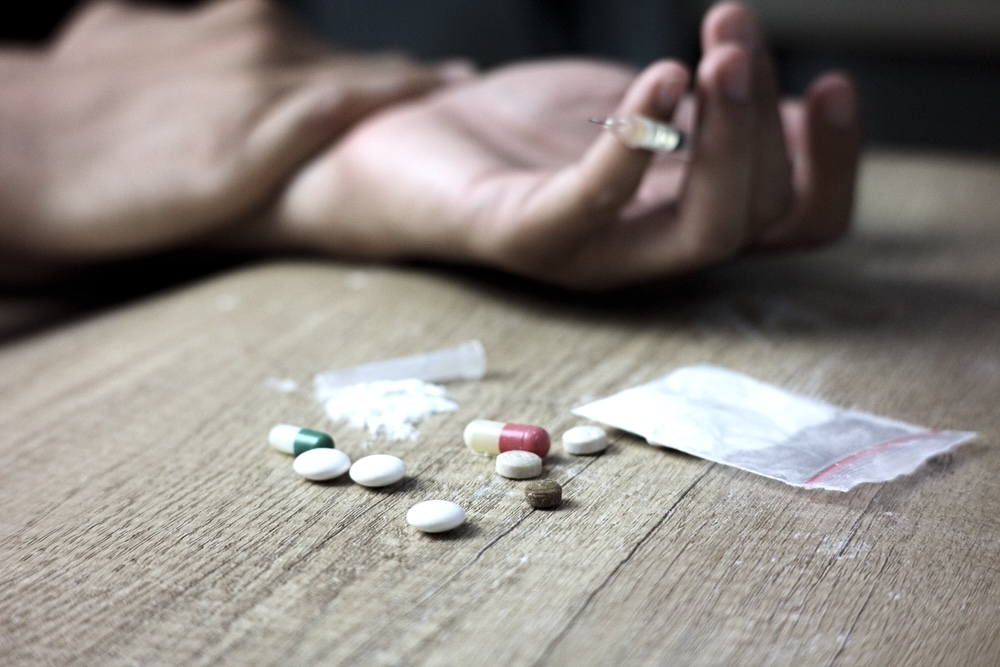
(144, 520)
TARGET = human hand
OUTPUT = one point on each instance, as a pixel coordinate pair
(506, 171)
(144, 128)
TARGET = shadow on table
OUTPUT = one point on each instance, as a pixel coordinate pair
(896, 284)
(893, 285)
(29, 309)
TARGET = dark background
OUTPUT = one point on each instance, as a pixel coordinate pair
(929, 73)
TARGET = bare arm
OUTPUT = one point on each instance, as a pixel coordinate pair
(229, 126)
(505, 170)
(141, 128)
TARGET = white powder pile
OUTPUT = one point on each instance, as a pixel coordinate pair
(391, 408)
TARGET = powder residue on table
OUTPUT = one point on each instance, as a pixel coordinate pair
(389, 408)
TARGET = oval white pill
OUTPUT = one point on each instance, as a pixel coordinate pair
(519, 464)
(378, 470)
(435, 516)
(585, 440)
(322, 463)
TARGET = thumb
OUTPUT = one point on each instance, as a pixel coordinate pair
(584, 196)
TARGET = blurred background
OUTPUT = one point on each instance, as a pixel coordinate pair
(929, 71)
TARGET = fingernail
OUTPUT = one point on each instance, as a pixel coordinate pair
(736, 81)
(740, 32)
(839, 107)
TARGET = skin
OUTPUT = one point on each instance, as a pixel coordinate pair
(499, 169)
(140, 129)
(505, 171)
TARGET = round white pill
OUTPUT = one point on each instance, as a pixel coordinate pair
(585, 440)
(435, 516)
(519, 464)
(322, 463)
(378, 470)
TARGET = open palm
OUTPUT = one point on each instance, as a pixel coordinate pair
(504, 170)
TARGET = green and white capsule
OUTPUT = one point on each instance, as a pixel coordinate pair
(295, 440)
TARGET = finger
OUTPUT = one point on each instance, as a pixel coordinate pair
(733, 22)
(715, 197)
(708, 223)
(826, 155)
(610, 172)
(583, 197)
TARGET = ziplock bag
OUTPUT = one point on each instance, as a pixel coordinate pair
(730, 418)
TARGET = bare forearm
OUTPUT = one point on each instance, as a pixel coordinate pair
(140, 129)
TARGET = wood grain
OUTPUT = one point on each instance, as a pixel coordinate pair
(144, 519)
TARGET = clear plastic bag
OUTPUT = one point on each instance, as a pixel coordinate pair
(727, 417)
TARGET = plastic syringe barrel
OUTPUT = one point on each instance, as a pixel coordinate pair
(463, 362)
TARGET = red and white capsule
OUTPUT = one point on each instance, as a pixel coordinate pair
(489, 437)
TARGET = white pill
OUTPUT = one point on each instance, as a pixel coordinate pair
(435, 516)
(322, 463)
(378, 470)
(585, 440)
(519, 464)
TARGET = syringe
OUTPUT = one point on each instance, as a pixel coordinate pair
(464, 362)
(637, 131)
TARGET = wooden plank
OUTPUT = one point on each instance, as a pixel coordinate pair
(143, 519)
